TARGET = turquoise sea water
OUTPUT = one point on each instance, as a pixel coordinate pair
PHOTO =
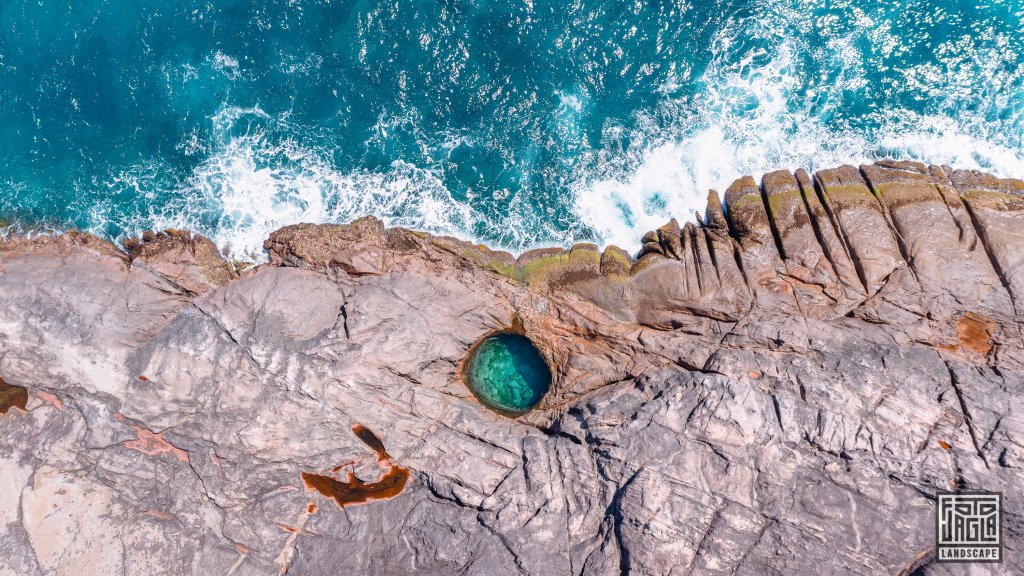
(517, 123)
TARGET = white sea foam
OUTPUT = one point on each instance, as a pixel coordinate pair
(757, 113)
(228, 65)
(673, 178)
(253, 184)
(719, 141)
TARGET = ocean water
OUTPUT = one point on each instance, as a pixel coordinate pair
(520, 124)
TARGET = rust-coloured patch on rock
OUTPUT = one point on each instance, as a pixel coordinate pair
(342, 466)
(159, 514)
(50, 399)
(355, 491)
(975, 332)
(154, 444)
(12, 397)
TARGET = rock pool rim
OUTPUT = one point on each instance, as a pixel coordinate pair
(515, 329)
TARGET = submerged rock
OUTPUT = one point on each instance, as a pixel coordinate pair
(784, 388)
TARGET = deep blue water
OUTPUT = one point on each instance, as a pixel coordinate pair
(516, 123)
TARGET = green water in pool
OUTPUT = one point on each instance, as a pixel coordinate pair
(507, 373)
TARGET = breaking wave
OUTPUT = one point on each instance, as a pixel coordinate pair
(520, 125)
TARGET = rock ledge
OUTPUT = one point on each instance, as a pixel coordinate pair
(781, 389)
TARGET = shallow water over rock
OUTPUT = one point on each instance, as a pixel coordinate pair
(507, 373)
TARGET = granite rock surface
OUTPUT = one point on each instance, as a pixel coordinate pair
(780, 389)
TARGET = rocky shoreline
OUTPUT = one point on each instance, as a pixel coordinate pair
(782, 389)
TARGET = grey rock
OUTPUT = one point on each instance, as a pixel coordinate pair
(780, 390)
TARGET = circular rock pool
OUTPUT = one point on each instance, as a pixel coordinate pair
(507, 373)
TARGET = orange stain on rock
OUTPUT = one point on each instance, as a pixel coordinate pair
(12, 397)
(944, 446)
(353, 490)
(339, 467)
(143, 378)
(975, 332)
(311, 508)
(754, 374)
(159, 514)
(220, 463)
(154, 444)
(50, 399)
